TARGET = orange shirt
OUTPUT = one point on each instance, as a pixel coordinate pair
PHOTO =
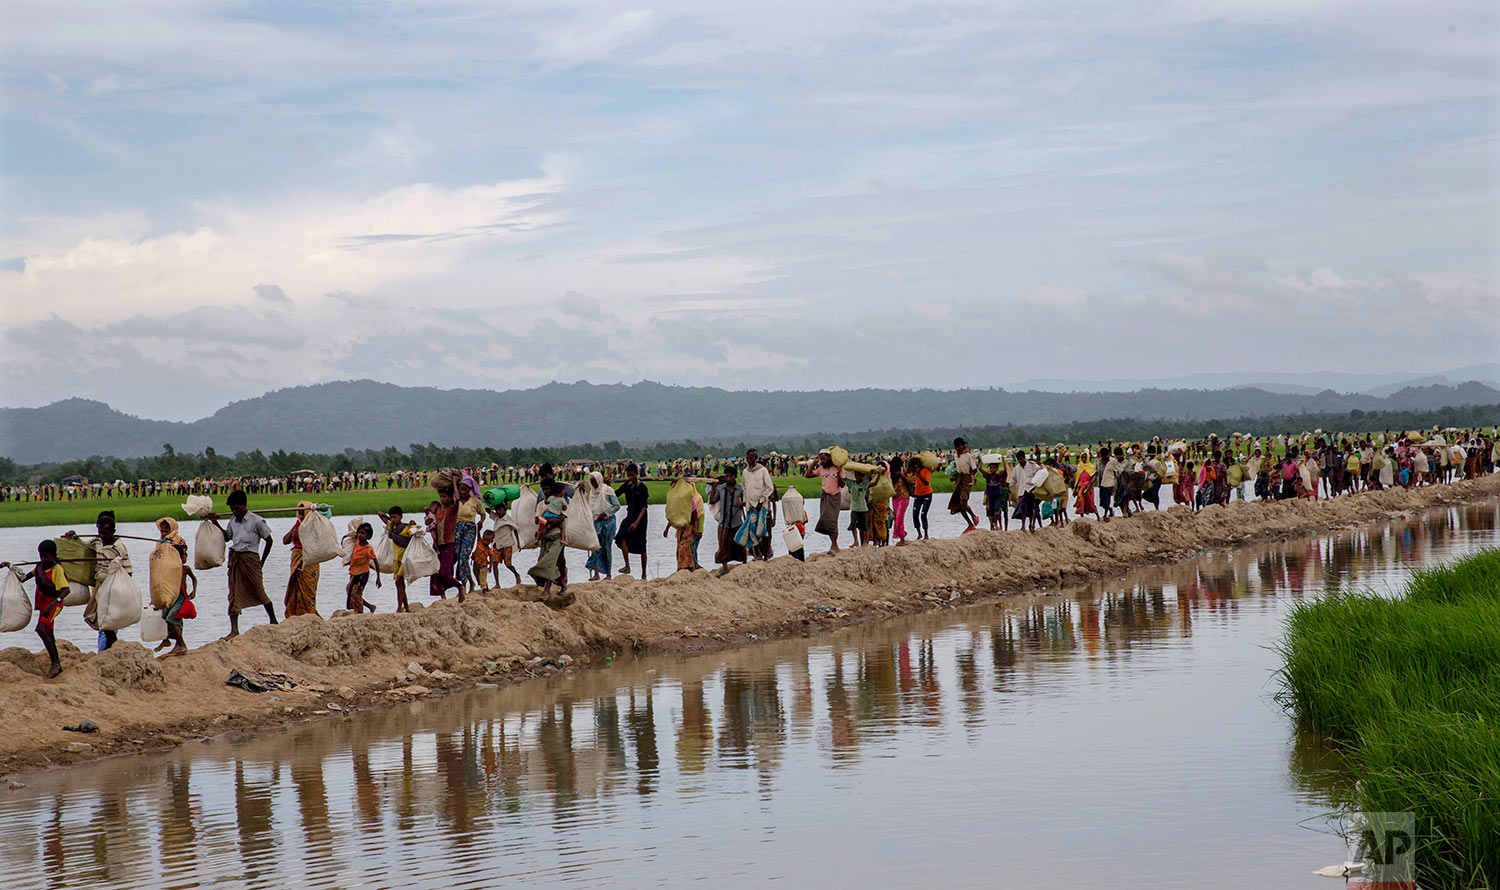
(481, 557)
(360, 559)
(922, 482)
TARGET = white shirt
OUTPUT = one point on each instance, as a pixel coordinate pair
(966, 464)
(758, 486)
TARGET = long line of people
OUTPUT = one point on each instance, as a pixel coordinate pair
(887, 498)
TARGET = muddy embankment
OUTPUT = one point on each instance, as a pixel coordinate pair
(347, 663)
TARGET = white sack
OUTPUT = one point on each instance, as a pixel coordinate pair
(119, 603)
(385, 554)
(78, 594)
(208, 547)
(15, 605)
(421, 558)
(320, 540)
(198, 505)
(524, 510)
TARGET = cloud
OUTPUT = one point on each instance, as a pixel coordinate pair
(849, 193)
(271, 293)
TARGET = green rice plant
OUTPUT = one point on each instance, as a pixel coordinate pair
(1409, 691)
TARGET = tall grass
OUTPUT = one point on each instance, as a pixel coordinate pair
(1409, 689)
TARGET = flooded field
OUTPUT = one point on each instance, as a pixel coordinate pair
(1120, 734)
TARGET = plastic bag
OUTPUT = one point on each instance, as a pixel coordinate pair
(320, 541)
(188, 610)
(15, 605)
(77, 558)
(78, 594)
(929, 460)
(385, 554)
(165, 575)
(839, 456)
(883, 489)
(680, 503)
(793, 539)
(153, 626)
(209, 547)
(846, 499)
(524, 511)
(198, 505)
(854, 466)
(119, 599)
(793, 506)
(578, 524)
(421, 559)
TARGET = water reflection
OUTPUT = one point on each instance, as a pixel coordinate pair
(680, 767)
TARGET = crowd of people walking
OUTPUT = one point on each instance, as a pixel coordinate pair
(480, 517)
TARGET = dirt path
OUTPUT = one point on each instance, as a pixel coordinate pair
(348, 663)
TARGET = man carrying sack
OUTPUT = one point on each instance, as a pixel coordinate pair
(246, 585)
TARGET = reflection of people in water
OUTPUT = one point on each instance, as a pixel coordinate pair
(844, 733)
(697, 731)
(252, 806)
(179, 833)
(642, 724)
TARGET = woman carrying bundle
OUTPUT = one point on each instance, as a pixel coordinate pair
(603, 504)
(466, 534)
(302, 583)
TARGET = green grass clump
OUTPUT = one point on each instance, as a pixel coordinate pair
(1409, 689)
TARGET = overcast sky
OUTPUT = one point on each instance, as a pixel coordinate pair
(207, 200)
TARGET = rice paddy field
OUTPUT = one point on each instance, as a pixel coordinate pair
(17, 514)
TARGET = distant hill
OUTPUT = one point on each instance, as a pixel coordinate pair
(1306, 383)
(332, 417)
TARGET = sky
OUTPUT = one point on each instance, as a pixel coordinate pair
(206, 200)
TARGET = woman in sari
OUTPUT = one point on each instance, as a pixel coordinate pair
(167, 526)
(880, 507)
(1083, 486)
(603, 504)
(687, 535)
(302, 585)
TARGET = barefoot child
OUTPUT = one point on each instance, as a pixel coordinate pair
(167, 526)
(506, 539)
(361, 561)
(484, 555)
(51, 587)
(399, 532)
(996, 496)
(965, 467)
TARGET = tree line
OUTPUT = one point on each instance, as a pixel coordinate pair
(173, 464)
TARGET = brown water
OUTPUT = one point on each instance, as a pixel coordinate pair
(1121, 734)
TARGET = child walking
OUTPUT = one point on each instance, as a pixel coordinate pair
(484, 557)
(179, 609)
(51, 587)
(506, 539)
(361, 561)
(399, 532)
